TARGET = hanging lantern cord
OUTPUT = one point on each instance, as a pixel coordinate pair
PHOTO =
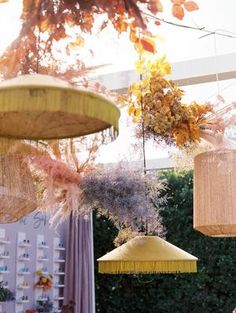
(144, 156)
(143, 136)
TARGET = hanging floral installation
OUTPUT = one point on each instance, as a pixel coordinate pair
(127, 198)
(68, 182)
(59, 172)
(50, 28)
(155, 104)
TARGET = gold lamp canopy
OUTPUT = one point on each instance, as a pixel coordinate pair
(147, 254)
(42, 107)
(215, 193)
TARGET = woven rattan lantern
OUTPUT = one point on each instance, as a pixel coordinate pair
(17, 194)
(146, 255)
(42, 107)
(215, 193)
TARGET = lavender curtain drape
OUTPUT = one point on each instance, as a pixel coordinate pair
(79, 265)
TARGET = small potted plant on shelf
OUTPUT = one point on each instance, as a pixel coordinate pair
(5, 293)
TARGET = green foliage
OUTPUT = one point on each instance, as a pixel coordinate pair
(5, 293)
(212, 289)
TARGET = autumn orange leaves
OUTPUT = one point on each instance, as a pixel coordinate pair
(54, 18)
(180, 5)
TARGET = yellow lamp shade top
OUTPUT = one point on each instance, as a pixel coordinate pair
(147, 254)
(43, 107)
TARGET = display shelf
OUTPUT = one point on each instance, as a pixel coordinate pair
(59, 261)
(22, 287)
(43, 247)
(59, 249)
(24, 245)
(4, 254)
(41, 260)
(58, 272)
(39, 287)
(59, 286)
(59, 298)
(4, 257)
(24, 259)
(22, 301)
(45, 273)
(42, 299)
(22, 270)
(4, 241)
(23, 273)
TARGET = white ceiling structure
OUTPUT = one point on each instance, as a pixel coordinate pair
(185, 73)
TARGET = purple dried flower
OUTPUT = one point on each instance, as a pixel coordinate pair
(125, 196)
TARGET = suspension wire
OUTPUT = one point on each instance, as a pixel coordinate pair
(221, 32)
(144, 223)
(143, 136)
(217, 74)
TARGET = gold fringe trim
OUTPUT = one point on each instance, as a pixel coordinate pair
(46, 99)
(146, 267)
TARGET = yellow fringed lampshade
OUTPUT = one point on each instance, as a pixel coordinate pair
(147, 254)
(215, 193)
(17, 194)
(42, 107)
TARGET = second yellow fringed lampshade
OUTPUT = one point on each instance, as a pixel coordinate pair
(43, 107)
(215, 193)
(147, 254)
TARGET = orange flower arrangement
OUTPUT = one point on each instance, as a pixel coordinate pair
(44, 281)
(156, 102)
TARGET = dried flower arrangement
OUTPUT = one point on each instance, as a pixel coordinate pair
(126, 197)
(45, 281)
(156, 104)
(58, 168)
(66, 184)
